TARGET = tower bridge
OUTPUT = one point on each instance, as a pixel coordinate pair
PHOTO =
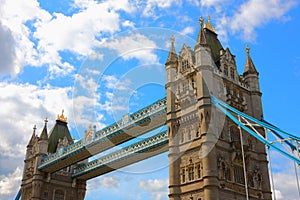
(216, 144)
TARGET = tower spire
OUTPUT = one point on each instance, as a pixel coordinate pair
(44, 134)
(31, 141)
(201, 36)
(249, 66)
(172, 54)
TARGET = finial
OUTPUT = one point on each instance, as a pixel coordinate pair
(46, 120)
(201, 21)
(61, 117)
(172, 39)
(247, 49)
(34, 128)
(208, 25)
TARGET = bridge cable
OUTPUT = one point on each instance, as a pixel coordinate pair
(226, 109)
(244, 164)
(271, 173)
(271, 168)
(296, 173)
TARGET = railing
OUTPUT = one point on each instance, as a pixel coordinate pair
(145, 114)
(149, 111)
(139, 147)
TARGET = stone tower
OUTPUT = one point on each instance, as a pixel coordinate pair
(205, 152)
(38, 185)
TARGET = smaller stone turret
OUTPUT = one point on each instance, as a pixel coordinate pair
(43, 140)
(202, 48)
(250, 73)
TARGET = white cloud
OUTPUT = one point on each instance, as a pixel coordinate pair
(112, 181)
(152, 4)
(25, 105)
(284, 177)
(9, 184)
(211, 3)
(112, 4)
(83, 27)
(51, 34)
(13, 16)
(157, 188)
(88, 83)
(255, 13)
(188, 30)
(60, 70)
(8, 51)
(128, 23)
(286, 184)
(135, 46)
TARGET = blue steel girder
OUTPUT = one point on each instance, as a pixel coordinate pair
(230, 111)
(136, 152)
(127, 130)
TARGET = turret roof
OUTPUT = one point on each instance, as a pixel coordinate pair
(249, 66)
(44, 134)
(59, 131)
(208, 37)
(172, 53)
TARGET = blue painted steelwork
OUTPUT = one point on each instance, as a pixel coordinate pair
(143, 115)
(293, 147)
(226, 108)
(143, 146)
(18, 197)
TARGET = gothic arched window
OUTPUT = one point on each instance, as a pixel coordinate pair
(184, 65)
(191, 173)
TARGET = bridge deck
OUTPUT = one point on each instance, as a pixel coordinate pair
(138, 123)
(147, 148)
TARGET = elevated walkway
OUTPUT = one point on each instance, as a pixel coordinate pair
(131, 126)
(147, 148)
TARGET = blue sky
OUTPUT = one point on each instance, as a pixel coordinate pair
(98, 60)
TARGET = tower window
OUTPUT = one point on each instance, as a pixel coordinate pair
(193, 83)
(227, 174)
(199, 171)
(232, 74)
(226, 70)
(189, 135)
(184, 65)
(45, 196)
(191, 173)
(182, 137)
(239, 174)
(234, 134)
(59, 195)
(183, 176)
